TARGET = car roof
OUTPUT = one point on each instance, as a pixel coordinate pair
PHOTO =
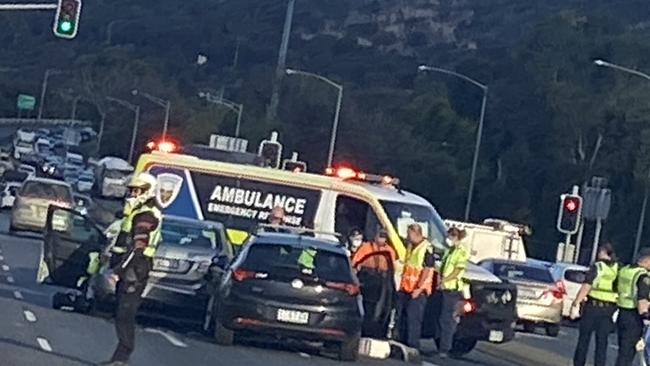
(48, 181)
(297, 240)
(202, 223)
(529, 263)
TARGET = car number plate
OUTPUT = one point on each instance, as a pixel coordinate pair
(293, 316)
(496, 336)
(526, 293)
(160, 263)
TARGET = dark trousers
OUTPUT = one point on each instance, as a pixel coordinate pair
(630, 329)
(596, 318)
(410, 313)
(448, 320)
(133, 281)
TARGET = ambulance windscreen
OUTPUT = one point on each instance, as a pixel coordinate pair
(404, 214)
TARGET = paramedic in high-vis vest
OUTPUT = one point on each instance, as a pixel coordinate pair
(132, 257)
(597, 297)
(451, 287)
(416, 286)
(633, 300)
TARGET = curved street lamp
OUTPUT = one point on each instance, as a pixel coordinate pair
(479, 131)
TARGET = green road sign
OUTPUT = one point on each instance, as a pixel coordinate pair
(26, 102)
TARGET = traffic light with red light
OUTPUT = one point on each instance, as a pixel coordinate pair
(294, 166)
(66, 20)
(271, 152)
(570, 214)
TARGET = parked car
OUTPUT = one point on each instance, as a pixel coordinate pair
(572, 276)
(33, 199)
(539, 296)
(9, 194)
(292, 286)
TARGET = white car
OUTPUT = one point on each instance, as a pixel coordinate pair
(27, 169)
(22, 148)
(9, 195)
(573, 276)
(85, 182)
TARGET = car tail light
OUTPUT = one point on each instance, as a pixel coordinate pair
(242, 275)
(352, 289)
(557, 291)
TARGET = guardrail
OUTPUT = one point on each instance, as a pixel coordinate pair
(43, 121)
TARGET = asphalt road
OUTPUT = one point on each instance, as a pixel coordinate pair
(32, 333)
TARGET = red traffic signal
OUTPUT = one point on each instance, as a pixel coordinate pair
(294, 166)
(570, 214)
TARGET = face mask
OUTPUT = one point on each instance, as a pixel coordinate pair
(356, 243)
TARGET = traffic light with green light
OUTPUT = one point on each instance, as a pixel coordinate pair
(66, 20)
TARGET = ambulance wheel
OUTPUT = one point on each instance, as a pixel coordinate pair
(222, 335)
(462, 346)
(552, 330)
(349, 349)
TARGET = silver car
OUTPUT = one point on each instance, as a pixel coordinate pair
(539, 297)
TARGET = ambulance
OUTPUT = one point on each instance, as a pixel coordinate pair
(341, 200)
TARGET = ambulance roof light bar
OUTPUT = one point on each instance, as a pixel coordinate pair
(346, 173)
(164, 146)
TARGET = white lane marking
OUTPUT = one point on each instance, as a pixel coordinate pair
(5, 268)
(169, 337)
(18, 295)
(2, 258)
(29, 316)
(45, 345)
(10, 279)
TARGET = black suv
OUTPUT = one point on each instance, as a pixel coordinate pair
(292, 286)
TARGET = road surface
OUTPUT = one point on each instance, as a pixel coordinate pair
(32, 333)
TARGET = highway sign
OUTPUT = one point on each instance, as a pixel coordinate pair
(26, 102)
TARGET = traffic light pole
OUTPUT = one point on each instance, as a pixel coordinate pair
(28, 6)
(594, 249)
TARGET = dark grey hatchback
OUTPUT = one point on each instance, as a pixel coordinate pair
(291, 286)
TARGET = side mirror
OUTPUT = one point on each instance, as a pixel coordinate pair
(221, 261)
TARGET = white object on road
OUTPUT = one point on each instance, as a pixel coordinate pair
(45, 345)
(374, 348)
(169, 337)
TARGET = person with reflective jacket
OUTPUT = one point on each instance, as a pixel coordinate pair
(451, 287)
(132, 257)
(633, 302)
(416, 286)
(597, 296)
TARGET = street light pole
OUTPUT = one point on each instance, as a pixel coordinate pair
(235, 107)
(136, 122)
(337, 113)
(644, 205)
(161, 102)
(479, 131)
(272, 111)
(41, 104)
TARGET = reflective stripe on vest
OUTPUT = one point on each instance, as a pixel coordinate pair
(603, 286)
(413, 266)
(455, 255)
(154, 236)
(627, 278)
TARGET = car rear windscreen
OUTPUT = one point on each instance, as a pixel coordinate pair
(522, 272)
(183, 234)
(42, 190)
(321, 264)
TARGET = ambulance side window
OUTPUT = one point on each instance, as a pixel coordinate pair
(352, 213)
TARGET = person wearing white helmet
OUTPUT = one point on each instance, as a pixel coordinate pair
(132, 260)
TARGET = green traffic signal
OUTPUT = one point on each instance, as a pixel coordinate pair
(65, 26)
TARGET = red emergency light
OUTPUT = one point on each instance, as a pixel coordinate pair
(165, 146)
(347, 173)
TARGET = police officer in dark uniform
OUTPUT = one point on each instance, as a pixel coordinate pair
(597, 296)
(633, 297)
(132, 261)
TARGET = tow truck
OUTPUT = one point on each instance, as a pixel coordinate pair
(241, 196)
